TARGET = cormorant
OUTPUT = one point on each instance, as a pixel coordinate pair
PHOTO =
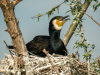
(51, 43)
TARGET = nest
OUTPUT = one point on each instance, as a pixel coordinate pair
(34, 65)
(50, 65)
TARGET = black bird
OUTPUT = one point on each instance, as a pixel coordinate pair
(51, 43)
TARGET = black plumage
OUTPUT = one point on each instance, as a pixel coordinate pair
(51, 43)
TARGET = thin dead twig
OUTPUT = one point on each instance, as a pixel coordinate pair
(2, 70)
(12, 50)
(92, 18)
(9, 49)
(50, 61)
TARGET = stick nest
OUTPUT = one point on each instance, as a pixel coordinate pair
(33, 65)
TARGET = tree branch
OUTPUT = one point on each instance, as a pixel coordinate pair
(37, 16)
(92, 19)
(90, 16)
(15, 2)
(2, 70)
(74, 25)
(12, 25)
(3, 2)
(50, 61)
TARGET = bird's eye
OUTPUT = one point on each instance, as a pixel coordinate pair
(57, 18)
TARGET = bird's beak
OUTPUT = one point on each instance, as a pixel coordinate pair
(64, 18)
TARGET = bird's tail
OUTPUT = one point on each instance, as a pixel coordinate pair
(10, 47)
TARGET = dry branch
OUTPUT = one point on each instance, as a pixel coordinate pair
(13, 29)
(92, 19)
(2, 70)
(16, 1)
(90, 16)
(50, 61)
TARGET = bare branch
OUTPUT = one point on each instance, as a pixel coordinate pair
(3, 2)
(15, 2)
(5, 43)
(2, 70)
(10, 53)
(92, 19)
(13, 50)
(50, 61)
(90, 16)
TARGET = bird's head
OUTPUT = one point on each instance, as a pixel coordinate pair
(56, 24)
(58, 21)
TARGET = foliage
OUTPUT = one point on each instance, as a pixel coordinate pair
(75, 7)
(50, 11)
(95, 66)
(96, 5)
(83, 43)
(5, 20)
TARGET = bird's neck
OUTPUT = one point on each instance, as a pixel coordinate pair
(54, 34)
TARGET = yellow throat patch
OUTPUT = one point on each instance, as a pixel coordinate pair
(60, 23)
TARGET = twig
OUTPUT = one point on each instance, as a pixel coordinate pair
(6, 30)
(2, 70)
(92, 19)
(16, 1)
(8, 49)
(5, 43)
(67, 51)
(31, 53)
(18, 53)
(5, 54)
(50, 61)
(12, 50)
(48, 11)
(90, 16)
(48, 66)
(98, 60)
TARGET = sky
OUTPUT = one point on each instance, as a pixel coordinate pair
(31, 27)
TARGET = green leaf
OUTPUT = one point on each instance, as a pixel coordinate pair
(66, 0)
(5, 20)
(58, 10)
(52, 12)
(95, 0)
(67, 11)
(62, 62)
(96, 6)
(76, 34)
(83, 19)
(89, 0)
(38, 18)
(48, 15)
(73, 47)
